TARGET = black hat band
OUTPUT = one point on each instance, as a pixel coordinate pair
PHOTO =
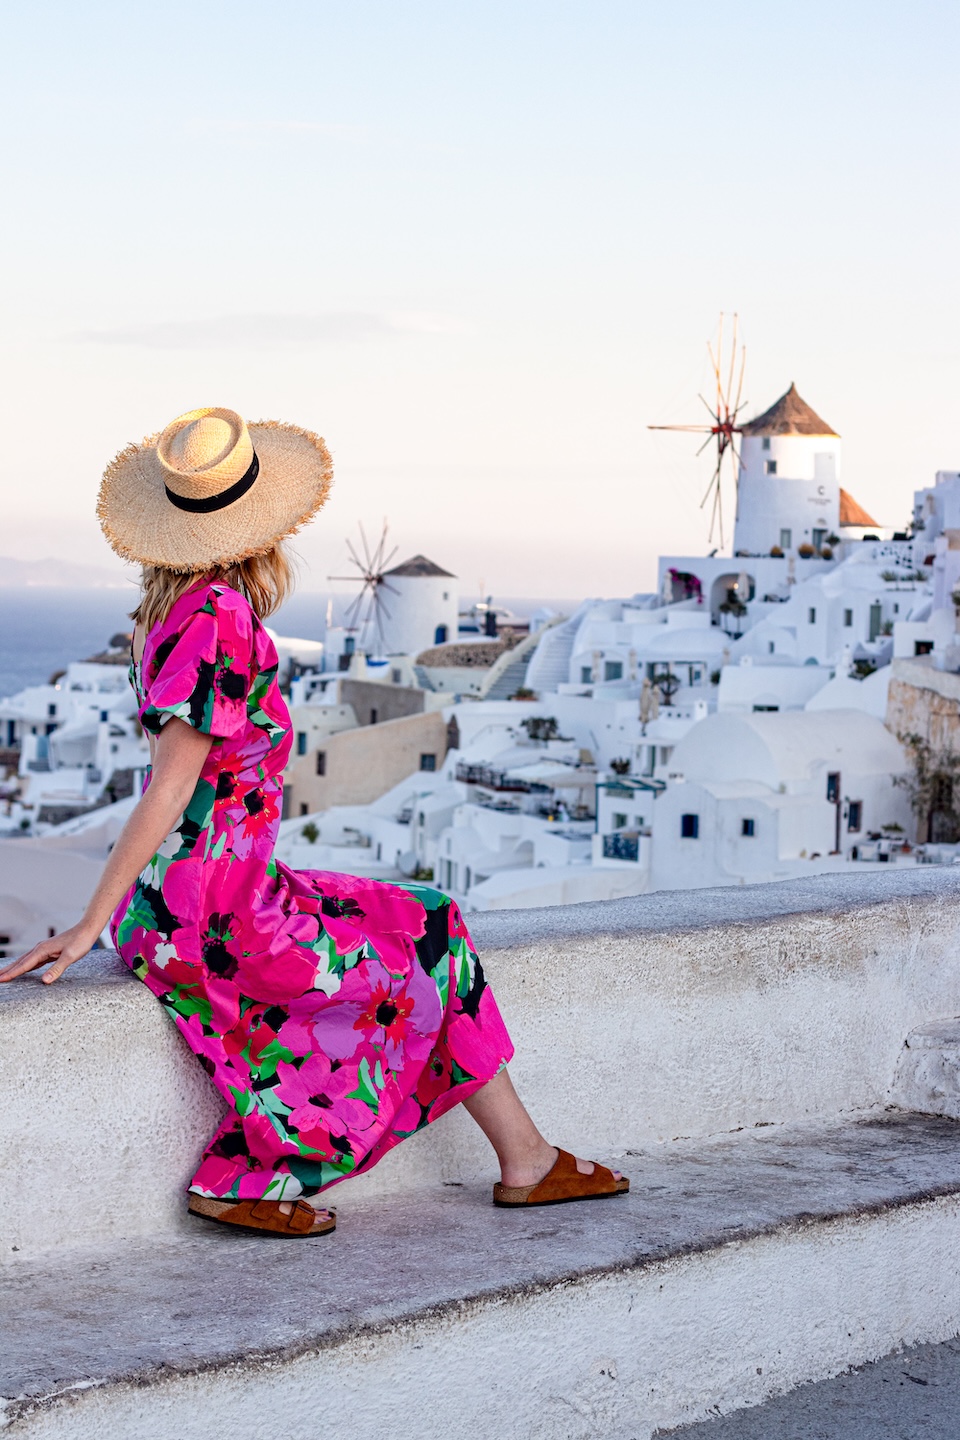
(220, 501)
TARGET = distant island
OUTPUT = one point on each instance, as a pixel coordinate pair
(64, 574)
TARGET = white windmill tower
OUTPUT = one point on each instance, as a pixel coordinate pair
(400, 611)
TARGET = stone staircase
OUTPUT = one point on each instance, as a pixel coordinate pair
(742, 1054)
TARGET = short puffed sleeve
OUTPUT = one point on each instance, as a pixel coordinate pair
(200, 671)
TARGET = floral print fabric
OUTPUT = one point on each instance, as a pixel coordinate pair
(335, 1015)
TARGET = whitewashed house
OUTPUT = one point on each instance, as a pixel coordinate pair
(764, 796)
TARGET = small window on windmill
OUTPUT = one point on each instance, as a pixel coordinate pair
(848, 618)
(766, 442)
(770, 467)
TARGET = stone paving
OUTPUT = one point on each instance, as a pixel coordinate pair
(911, 1395)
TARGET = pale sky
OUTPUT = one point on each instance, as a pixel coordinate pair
(479, 247)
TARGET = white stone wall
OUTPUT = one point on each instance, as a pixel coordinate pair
(678, 1014)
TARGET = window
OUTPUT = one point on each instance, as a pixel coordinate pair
(321, 762)
(771, 647)
(304, 808)
(428, 762)
(923, 647)
(396, 676)
(770, 467)
(638, 821)
(586, 674)
(818, 537)
(52, 709)
(765, 709)
(421, 819)
(373, 716)
(812, 615)
(766, 443)
(440, 635)
(466, 878)
(855, 815)
(690, 827)
(349, 645)
(833, 787)
(876, 620)
(665, 752)
(613, 670)
(619, 820)
(301, 742)
(786, 539)
(748, 827)
(848, 618)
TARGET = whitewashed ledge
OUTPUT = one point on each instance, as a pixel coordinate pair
(753, 1053)
(678, 1015)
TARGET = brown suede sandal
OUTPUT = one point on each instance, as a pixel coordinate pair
(264, 1216)
(562, 1184)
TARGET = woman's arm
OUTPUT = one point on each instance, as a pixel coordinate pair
(180, 755)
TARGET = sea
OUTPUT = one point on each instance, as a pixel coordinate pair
(43, 628)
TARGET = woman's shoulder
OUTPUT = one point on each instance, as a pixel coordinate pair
(227, 607)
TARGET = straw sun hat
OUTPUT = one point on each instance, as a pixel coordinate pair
(211, 490)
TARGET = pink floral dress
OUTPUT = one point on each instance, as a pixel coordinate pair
(335, 1015)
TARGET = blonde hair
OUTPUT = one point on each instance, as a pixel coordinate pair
(265, 580)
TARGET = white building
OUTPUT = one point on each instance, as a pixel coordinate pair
(759, 797)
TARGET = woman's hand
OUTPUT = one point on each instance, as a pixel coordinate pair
(63, 950)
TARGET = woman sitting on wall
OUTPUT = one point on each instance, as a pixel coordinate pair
(335, 1015)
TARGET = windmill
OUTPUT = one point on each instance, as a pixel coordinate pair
(367, 611)
(727, 372)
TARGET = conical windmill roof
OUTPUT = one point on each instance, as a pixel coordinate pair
(790, 415)
(419, 565)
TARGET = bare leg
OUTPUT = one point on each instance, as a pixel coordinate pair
(525, 1157)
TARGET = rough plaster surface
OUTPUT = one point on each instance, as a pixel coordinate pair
(912, 1393)
(639, 1020)
(733, 1271)
(928, 1072)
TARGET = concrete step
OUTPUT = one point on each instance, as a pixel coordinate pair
(910, 1394)
(733, 1271)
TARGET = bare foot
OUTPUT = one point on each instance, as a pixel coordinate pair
(286, 1207)
(531, 1170)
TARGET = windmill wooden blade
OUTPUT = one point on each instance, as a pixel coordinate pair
(366, 547)
(692, 429)
(733, 357)
(728, 363)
